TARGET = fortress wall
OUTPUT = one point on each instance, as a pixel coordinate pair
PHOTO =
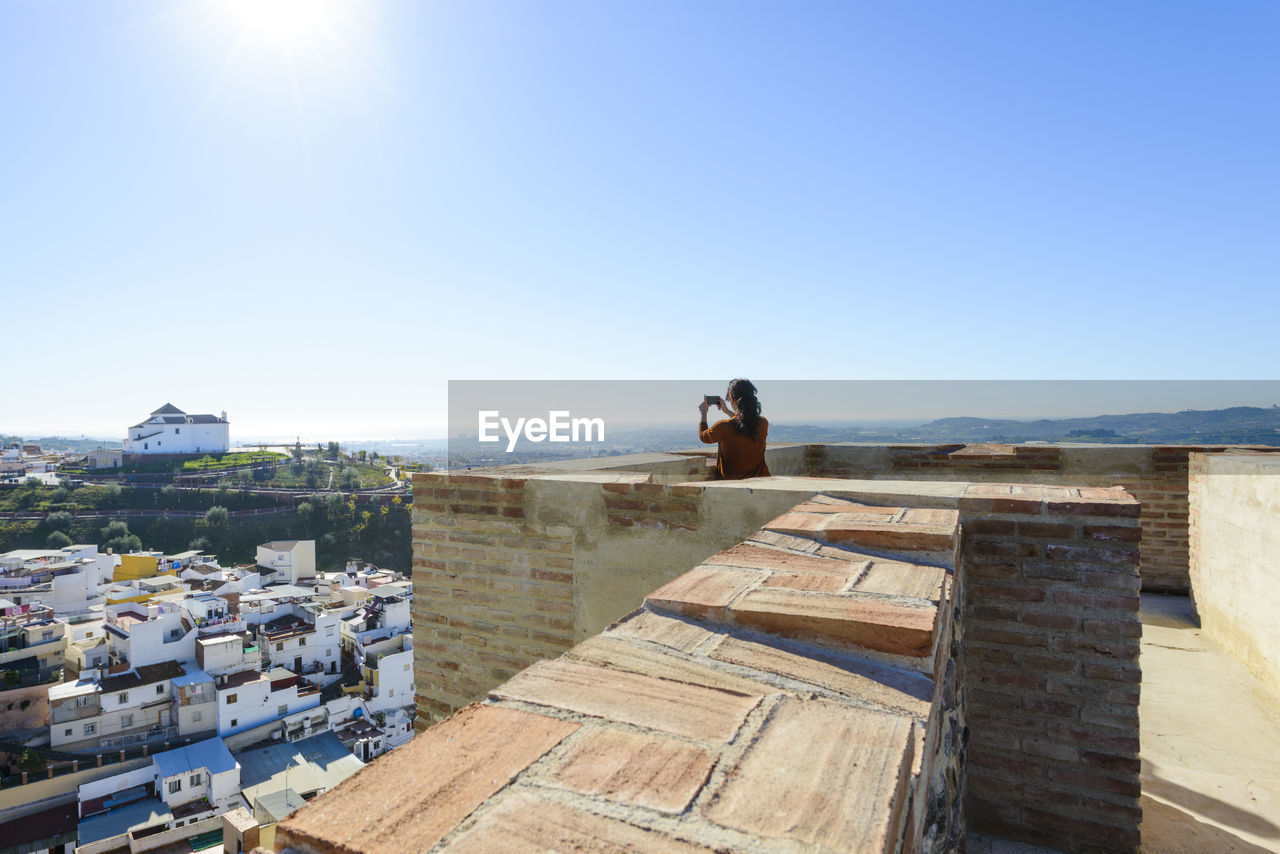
(512, 566)
(1156, 475)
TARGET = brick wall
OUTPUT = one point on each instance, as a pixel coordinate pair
(491, 592)
(509, 570)
(1050, 654)
(1156, 475)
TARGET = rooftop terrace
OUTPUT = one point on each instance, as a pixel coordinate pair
(807, 612)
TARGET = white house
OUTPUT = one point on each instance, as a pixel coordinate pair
(388, 674)
(118, 710)
(292, 560)
(195, 701)
(190, 783)
(304, 639)
(374, 619)
(248, 699)
(146, 633)
(204, 770)
(71, 580)
(169, 430)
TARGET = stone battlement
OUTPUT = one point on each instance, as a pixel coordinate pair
(814, 594)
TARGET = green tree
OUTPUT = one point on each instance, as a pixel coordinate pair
(116, 537)
(109, 496)
(32, 761)
(216, 516)
(59, 520)
(57, 540)
(333, 451)
(200, 544)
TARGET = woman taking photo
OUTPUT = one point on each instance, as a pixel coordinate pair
(740, 437)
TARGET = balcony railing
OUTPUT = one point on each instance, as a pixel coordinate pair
(155, 734)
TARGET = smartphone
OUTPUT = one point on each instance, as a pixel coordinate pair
(712, 399)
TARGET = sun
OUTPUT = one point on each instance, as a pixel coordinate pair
(282, 22)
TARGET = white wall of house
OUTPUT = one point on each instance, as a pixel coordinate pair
(319, 648)
(226, 654)
(254, 703)
(115, 783)
(292, 561)
(185, 438)
(160, 638)
(394, 679)
(127, 712)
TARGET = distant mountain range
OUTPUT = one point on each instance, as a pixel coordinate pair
(1238, 425)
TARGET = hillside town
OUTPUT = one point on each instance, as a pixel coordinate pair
(165, 695)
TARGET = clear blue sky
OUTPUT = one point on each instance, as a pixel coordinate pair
(312, 216)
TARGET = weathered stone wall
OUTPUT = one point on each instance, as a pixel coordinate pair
(1050, 649)
(1156, 475)
(1235, 557)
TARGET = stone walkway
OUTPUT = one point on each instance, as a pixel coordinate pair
(1210, 742)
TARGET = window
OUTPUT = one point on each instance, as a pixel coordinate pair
(124, 697)
(281, 711)
(82, 702)
(175, 786)
(160, 688)
(280, 647)
(302, 641)
(231, 698)
(67, 732)
(233, 722)
(47, 634)
(195, 717)
(330, 630)
(195, 779)
(391, 692)
(177, 430)
(90, 729)
(328, 653)
(126, 721)
(407, 667)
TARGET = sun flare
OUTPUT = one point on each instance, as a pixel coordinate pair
(282, 22)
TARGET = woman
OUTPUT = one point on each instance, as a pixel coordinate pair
(740, 437)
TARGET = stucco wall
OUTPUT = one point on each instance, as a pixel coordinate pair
(1235, 557)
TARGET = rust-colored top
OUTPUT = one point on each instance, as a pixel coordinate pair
(739, 456)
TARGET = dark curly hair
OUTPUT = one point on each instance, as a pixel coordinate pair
(743, 395)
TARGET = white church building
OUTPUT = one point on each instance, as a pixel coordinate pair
(169, 430)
